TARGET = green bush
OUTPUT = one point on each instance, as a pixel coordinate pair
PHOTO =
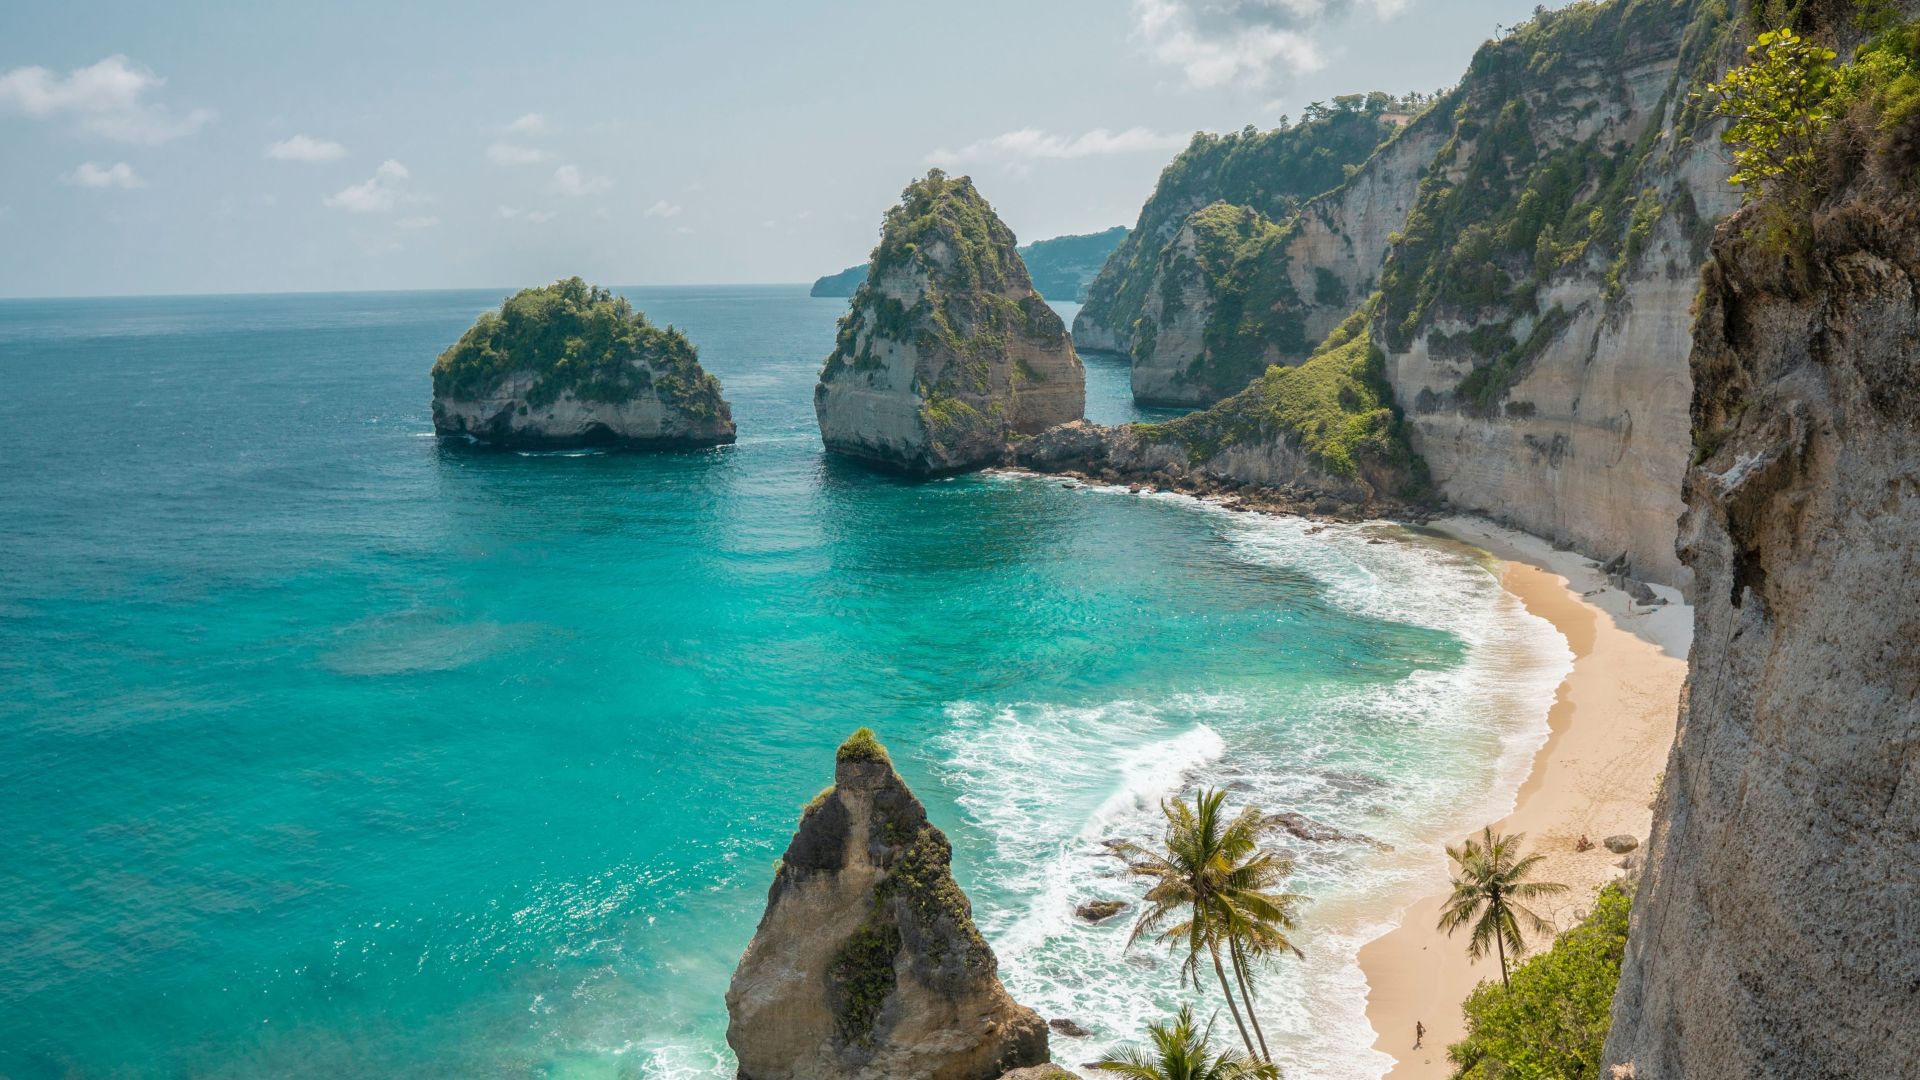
(1551, 1023)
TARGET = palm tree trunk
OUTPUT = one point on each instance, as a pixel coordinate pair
(1246, 995)
(1233, 1008)
(1499, 946)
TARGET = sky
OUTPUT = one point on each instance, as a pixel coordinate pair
(193, 147)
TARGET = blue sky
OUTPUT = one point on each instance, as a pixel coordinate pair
(197, 147)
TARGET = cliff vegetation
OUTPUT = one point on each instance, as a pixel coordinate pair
(1062, 267)
(581, 339)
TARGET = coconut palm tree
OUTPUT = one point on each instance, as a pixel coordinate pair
(1488, 889)
(1180, 1052)
(1210, 887)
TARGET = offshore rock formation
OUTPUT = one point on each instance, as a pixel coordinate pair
(1777, 928)
(867, 965)
(948, 352)
(570, 364)
(1536, 309)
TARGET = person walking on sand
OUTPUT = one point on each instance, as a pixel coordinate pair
(1419, 1033)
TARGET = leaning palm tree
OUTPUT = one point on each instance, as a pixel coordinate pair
(1212, 886)
(1488, 890)
(1180, 1052)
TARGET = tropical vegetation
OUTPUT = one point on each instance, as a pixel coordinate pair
(1336, 407)
(576, 338)
(1214, 896)
(1179, 1050)
(1491, 889)
(1549, 1022)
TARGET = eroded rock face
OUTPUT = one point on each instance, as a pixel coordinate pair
(1777, 929)
(571, 364)
(867, 965)
(947, 351)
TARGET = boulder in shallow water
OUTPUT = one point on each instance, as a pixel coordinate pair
(1100, 910)
(867, 965)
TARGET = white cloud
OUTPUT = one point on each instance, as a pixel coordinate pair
(1245, 42)
(94, 175)
(509, 154)
(683, 231)
(536, 217)
(426, 222)
(1031, 144)
(379, 194)
(306, 148)
(107, 99)
(528, 124)
(570, 181)
(663, 209)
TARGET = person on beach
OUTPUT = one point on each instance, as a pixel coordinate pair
(1419, 1033)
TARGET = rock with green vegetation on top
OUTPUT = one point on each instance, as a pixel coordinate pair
(571, 364)
(947, 353)
(867, 964)
(1062, 267)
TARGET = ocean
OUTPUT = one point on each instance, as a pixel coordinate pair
(336, 751)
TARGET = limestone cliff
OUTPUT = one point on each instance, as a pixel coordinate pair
(1268, 172)
(1777, 929)
(948, 351)
(571, 364)
(866, 965)
(1323, 435)
(1536, 308)
(1235, 290)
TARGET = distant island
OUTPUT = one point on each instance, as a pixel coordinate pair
(571, 364)
(1062, 268)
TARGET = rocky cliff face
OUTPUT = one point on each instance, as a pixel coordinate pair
(866, 965)
(1235, 291)
(948, 351)
(1777, 928)
(1268, 172)
(1537, 307)
(1321, 436)
(571, 364)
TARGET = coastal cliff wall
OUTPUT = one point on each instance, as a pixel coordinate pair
(1537, 309)
(1777, 929)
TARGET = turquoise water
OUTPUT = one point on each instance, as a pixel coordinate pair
(334, 751)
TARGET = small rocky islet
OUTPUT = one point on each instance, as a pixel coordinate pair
(947, 354)
(571, 364)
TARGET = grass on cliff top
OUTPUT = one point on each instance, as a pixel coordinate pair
(1552, 1022)
(938, 208)
(862, 745)
(1336, 407)
(572, 336)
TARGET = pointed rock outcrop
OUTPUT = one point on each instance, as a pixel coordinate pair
(867, 965)
(948, 352)
(571, 364)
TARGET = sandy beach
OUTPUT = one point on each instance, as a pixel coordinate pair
(1612, 724)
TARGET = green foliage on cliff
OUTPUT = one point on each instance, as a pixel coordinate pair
(1271, 172)
(1551, 1023)
(862, 746)
(1336, 407)
(572, 336)
(978, 298)
(1510, 201)
(1061, 267)
(1780, 104)
(1239, 259)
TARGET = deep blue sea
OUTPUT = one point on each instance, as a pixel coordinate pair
(334, 751)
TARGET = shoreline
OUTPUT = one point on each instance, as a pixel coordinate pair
(1609, 731)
